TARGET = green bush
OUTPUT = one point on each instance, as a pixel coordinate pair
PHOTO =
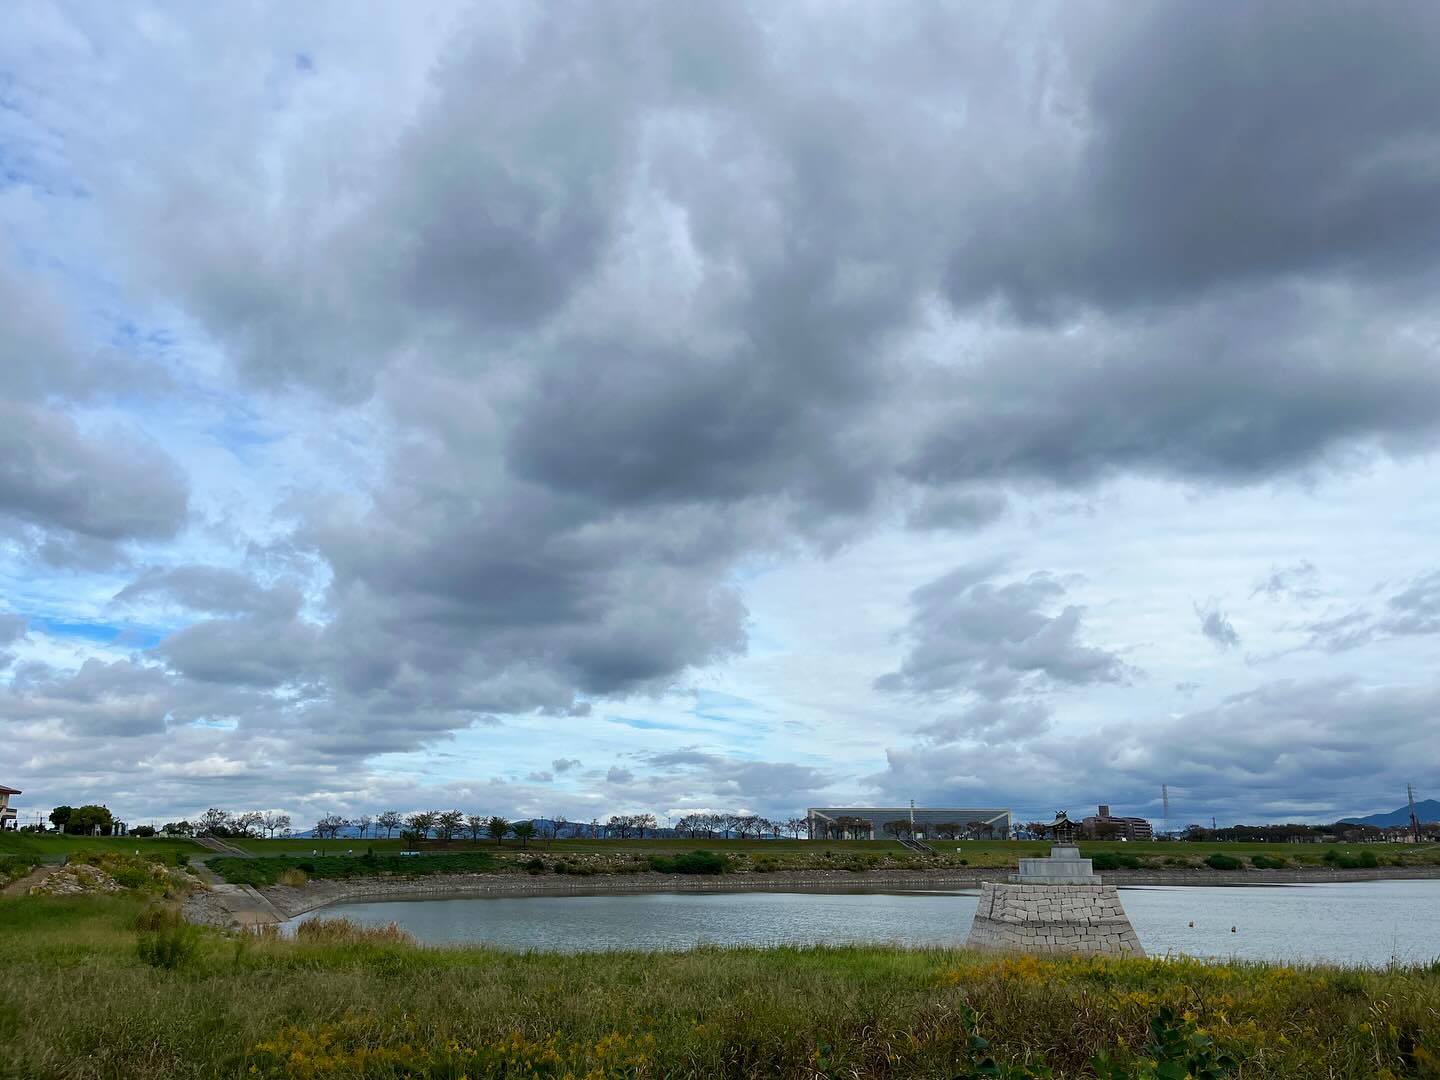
(692, 862)
(1268, 862)
(1343, 860)
(1223, 862)
(14, 867)
(261, 872)
(535, 866)
(1114, 860)
(171, 948)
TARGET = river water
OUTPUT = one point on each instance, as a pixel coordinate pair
(1369, 922)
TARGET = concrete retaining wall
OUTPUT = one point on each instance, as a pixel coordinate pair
(1053, 919)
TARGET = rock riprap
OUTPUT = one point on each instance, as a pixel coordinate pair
(1054, 905)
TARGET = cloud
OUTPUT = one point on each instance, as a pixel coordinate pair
(617, 775)
(1413, 611)
(958, 510)
(969, 634)
(625, 304)
(208, 589)
(1285, 750)
(1216, 626)
(83, 493)
(996, 722)
(1158, 194)
(1295, 582)
(540, 777)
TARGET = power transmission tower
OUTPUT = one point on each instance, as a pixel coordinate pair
(1414, 821)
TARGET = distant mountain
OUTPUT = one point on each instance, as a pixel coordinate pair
(1425, 810)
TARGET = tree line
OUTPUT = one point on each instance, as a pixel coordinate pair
(447, 825)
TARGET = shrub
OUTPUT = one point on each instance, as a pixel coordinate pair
(349, 932)
(14, 867)
(267, 871)
(1114, 860)
(170, 948)
(294, 877)
(1343, 860)
(693, 862)
(158, 917)
(1218, 861)
(535, 866)
(1268, 862)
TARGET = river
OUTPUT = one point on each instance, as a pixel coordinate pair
(1365, 922)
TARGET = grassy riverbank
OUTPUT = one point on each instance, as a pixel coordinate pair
(80, 1002)
(620, 857)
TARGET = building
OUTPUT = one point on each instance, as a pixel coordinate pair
(1103, 826)
(7, 812)
(885, 822)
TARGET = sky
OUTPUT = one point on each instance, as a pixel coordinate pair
(601, 408)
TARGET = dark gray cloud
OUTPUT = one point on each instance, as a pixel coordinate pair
(1216, 626)
(564, 765)
(70, 486)
(995, 722)
(1234, 391)
(1215, 149)
(968, 634)
(959, 510)
(209, 589)
(619, 776)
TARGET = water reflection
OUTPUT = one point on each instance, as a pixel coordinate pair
(1372, 922)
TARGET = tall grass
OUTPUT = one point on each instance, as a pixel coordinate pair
(343, 931)
(81, 1004)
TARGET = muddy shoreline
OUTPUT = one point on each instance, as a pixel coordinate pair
(291, 901)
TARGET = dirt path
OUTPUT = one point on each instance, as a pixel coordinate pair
(22, 886)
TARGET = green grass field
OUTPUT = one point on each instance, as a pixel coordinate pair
(80, 1003)
(47, 848)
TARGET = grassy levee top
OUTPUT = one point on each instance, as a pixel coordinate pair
(101, 987)
(354, 858)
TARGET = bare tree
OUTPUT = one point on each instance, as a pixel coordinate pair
(448, 824)
(247, 823)
(475, 825)
(362, 823)
(213, 822)
(390, 820)
(421, 822)
(271, 821)
(329, 826)
(557, 826)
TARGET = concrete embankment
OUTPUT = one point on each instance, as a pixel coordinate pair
(291, 901)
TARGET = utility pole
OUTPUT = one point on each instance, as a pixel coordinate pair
(1165, 803)
(1414, 821)
(912, 816)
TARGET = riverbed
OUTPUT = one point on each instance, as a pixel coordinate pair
(1362, 922)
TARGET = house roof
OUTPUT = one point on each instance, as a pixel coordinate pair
(10, 790)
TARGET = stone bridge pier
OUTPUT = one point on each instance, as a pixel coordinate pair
(1054, 905)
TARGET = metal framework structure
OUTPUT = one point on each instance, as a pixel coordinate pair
(868, 822)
